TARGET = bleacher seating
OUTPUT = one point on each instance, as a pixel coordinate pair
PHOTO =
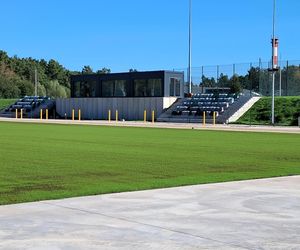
(28, 103)
(208, 103)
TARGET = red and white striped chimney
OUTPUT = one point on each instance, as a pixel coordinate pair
(275, 43)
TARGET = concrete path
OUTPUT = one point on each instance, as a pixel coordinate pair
(258, 214)
(219, 127)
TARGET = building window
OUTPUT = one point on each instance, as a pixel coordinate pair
(107, 88)
(177, 87)
(76, 89)
(88, 89)
(154, 87)
(140, 88)
(174, 86)
(121, 88)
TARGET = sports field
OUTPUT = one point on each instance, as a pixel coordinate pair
(42, 161)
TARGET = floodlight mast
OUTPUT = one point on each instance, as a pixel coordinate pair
(274, 62)
(190, 48)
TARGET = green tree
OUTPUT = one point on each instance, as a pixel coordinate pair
(87, 70)
(104, 71)
(235, 85)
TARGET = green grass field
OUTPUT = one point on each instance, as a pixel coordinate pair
(4, 103)
(41, 161)
(287, 111)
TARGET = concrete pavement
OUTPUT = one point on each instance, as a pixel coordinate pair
(218, 127)
(256, 214)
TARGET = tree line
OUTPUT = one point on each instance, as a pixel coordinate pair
(17, 77)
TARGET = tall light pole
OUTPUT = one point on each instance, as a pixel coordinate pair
(35, 82)
(274, 62)
(190, 48)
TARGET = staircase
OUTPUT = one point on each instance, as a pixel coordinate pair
(240, 112)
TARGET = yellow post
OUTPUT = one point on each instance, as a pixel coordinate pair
(79, 115)
(109, 115)
(41, 114)
(46, 114)
(16, 113)
(153, 116)
(73, 114)
(145, 115)
(204, 121)
(21, 114)
(214, 120)
(117, 115)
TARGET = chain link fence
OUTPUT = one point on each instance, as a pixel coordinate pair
(253, 76)
(255, 79)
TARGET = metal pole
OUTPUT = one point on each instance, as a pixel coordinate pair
(280, 80)
(273, 98)
(287, 74)
(273, 72)
(218, 69)
(35, 82)
(190, 47)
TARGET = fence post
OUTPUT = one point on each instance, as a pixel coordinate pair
(204, 118)
(21, 114)
(73, 114)
(109, 115)
(16, 113)
(145, 115)
(79, 115)
(46, 114)
(117, 115)
(41, 114)
(214, 119)
(153, 116)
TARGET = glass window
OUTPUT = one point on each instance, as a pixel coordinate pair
(121, 88)
(172, 87)
(140, 88)
(154, 87)
(88, 89)
(107, 88)
(76, 89)
(177, 87)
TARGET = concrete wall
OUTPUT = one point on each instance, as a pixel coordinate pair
(128, 108)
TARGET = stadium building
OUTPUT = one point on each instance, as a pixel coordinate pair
(128, 93)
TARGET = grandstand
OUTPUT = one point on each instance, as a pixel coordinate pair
(191, 109)
(30, 106)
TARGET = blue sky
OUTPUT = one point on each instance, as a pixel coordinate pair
(147, 34)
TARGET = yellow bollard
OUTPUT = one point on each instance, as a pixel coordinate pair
(145, 115)
(153, 116)
(204, 117)
(73, 114)
(41, 114)
(117, 115)
(79, 115)
(46, 114)
(21, 114)
(109, 115)
(214, 119)
(16, 113)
